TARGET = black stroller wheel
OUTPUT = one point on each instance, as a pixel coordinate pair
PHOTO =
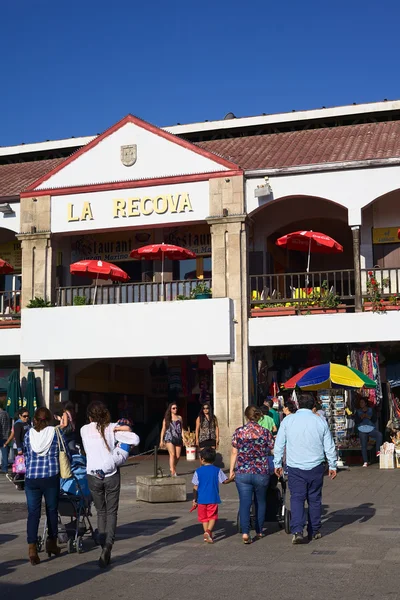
(39, 544)
(287, 520)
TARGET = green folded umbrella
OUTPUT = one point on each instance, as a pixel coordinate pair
(14, 395)
(30, 398)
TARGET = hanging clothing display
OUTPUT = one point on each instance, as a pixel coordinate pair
(367, 361)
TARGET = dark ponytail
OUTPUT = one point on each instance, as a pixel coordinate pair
(98, 413)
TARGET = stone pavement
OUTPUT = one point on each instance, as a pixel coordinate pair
(160, 554)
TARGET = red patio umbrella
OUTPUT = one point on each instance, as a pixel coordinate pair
(5, 267)
(98, 269)
(309, 241)
(160, 252)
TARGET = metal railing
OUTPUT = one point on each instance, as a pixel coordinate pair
(388, 281)
(10, 306)
(128, 292)
(296, 288)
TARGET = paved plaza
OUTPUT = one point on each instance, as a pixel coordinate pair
(159, 552)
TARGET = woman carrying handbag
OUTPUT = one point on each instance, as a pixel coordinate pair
(43, 454)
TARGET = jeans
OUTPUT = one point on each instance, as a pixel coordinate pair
(106, 500)
(35, 489)
(249, 485)
(306, 485)
(4, 456)
(375, 435)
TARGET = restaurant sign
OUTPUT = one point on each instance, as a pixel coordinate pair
(385, 235)
(196, 238)
(145, 206)
(109, 247)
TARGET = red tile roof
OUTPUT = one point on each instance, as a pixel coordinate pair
(312, 146)
(268, 151)
(16, 177)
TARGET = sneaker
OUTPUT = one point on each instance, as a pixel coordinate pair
(365, 465)
(378, 453)
(317, 535)
(297, 538)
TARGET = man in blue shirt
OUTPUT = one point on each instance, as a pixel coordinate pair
(308, 444)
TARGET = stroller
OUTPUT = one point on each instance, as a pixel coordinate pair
(74, 503)
(277, 509)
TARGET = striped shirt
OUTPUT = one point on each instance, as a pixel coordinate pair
(40, 467)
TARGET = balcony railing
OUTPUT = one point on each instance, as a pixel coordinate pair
(10, 306)
(388, 281)
(296, 289)
(129, 292)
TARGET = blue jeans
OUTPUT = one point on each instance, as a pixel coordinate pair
(249, 485)
(35, 489)
(306, 485)
(4, 456)
(364, 437)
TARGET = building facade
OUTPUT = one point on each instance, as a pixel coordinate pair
(226, 190)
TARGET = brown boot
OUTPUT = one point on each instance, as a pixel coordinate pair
(33, 554)
(52, 548)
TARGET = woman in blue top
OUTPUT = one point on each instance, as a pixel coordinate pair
(366, 429)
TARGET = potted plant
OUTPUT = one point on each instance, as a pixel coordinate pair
(375, 302)
(277, 309)
(324, 301)
(81, 301)
(38, 302)
(201, 291)
(189, 441)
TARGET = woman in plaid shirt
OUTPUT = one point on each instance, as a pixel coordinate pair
(42, 478)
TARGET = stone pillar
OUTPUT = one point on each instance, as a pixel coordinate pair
(357, 268)
(38, 279)
(229, 279)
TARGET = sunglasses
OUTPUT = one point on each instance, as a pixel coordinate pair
(206, 408)
(25, 416)
(174, 408)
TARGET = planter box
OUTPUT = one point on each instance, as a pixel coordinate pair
(202, 296)
(273, 311)
(386, 306)
(160, 489)
(319, 310)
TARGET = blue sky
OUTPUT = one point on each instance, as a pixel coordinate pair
(71, 68)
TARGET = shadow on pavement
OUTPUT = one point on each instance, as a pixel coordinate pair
(4, 538)
(333, 521)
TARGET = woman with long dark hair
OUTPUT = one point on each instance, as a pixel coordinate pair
(103, 474)
(42, 478)
(68, 423)
(207, 430)
(171, 436)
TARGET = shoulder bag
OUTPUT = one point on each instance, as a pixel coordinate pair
(65, 467)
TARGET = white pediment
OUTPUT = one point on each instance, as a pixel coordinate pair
(156, 154)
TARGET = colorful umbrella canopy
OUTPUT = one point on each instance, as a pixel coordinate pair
(160, 252)
(327, 376)
(29, 401)
(14, 395)
(5, 267)
(98, 269)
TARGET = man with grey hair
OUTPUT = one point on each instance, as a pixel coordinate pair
(308, 442)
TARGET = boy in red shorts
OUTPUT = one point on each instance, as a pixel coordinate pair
(206, 480)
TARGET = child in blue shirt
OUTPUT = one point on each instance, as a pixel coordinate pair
(206, 480)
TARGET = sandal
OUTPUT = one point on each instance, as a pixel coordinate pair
(246, 540)
(261, 535)
(208, 537)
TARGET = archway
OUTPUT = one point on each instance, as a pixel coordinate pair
(292, 214)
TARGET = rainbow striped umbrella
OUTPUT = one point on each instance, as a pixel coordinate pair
(327, 376)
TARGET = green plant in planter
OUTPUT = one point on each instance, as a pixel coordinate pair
(81, 301)
(327, 299)
(38, 302)
(182, 297)
(201, 289)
